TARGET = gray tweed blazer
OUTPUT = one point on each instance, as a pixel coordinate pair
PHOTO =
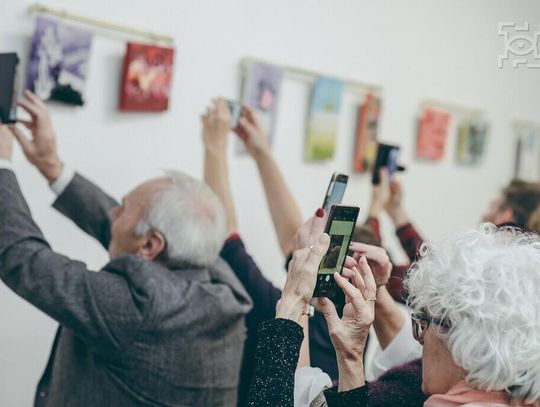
(132, 334)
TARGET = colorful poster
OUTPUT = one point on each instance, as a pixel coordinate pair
(146, 78)
(260, 90)
(527, 164)
(366, 134)
(58, 61)
(472, 134)
(432, 134)
(323, 118)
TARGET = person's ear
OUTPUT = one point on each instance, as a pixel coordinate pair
(154, 245)
(505, 216)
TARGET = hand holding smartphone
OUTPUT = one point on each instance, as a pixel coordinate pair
(339, 227)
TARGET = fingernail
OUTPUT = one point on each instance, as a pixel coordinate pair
(324, 238)
(319, 213)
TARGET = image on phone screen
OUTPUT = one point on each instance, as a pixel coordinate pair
(340, 226)
(340, 235)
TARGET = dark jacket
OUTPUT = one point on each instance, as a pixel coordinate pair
(133, 334)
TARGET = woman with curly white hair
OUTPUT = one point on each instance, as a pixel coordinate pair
(476, 310)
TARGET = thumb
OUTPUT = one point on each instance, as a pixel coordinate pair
(329, 312)
(26, 144)
(247, 126)
(317, 250)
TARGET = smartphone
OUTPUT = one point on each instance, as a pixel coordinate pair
(236, 109)
(8, 87)
(340, 226)
(387, 157)
(335, 191)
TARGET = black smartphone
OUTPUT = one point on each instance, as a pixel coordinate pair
(236, 109)
(335, 191)
(8, 87)
(387, 157)
(340, 226)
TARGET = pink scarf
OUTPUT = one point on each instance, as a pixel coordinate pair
(463, 395)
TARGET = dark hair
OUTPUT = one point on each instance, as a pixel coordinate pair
(364, 234)
(523, 198)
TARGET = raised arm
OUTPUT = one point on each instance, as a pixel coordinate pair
(408, 236)
(88, 303)
(79, 199)
(216, 127)
(284, 210)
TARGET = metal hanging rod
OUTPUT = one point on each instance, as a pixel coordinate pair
(310, 76)
(39, 8)
(525, 124)
(453, 108)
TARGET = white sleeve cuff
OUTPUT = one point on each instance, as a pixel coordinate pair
(63, 180)
(5, 164)
(309, 382)
(404, 348)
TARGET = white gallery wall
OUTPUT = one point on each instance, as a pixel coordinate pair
(416, 50)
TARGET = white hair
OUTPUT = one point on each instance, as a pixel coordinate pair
(486, 284)
(190, 217)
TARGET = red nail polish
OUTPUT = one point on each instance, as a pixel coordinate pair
(320, 213)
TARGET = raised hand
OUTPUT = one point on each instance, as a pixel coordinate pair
(380, 194)
(216, 125)
(349, 333)
(309, 231)
(251, 133)
(40, 150)
(377, 258)
(301, 279)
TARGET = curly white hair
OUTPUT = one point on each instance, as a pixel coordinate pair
(486, 284)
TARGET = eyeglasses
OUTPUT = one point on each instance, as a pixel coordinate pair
(421, 322)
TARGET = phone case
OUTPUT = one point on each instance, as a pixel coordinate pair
(8, 71)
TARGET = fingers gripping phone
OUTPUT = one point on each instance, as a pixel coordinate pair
(236, 109)
(340, 226)
(335, 191)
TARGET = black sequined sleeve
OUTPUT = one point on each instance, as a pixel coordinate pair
(277, 356)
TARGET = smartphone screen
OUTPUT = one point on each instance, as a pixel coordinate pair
(335, 191)
(236, 109)
(340, 226)
(8, 87)
(387, 156)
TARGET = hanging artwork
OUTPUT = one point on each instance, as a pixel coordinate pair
(366, 134)
(432, 134)
(323, 118)
(58, 61)
(527, 162)
(260, 89)
(472, 134)
(146, 78)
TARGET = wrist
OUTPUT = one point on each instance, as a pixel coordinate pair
(351, 374)
(51, 169)
(262, 154)
(398, 216)
(215, 150)
(291, 308)
(375, 210)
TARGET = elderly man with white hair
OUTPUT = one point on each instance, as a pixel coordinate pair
(163, 322)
